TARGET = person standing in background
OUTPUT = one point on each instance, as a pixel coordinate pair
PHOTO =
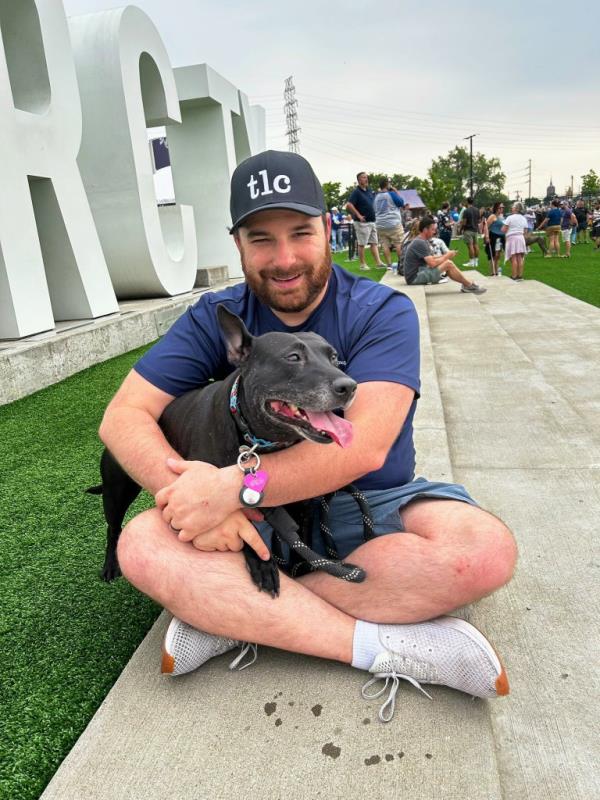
(514, 229)
(552, 222)
(388, 219)
(336, 230)
(494, 238)
(568, 222)
(470, 230)
(360, 205)
(581, 213)
(444, 221)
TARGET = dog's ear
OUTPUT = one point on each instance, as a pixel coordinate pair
(237, 338)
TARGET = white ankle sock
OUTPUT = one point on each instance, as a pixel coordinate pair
(366, 644)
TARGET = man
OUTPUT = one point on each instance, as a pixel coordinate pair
(444, 221)
(336, 230)
(582, 213)
(360, 205)
(388, 220)
(422, 267)
(469, 222)
(429, 555)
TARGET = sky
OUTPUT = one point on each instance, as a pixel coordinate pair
(388, 86)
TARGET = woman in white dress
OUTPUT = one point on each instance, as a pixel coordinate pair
(514, 229)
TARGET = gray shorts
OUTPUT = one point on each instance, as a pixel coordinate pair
(427, 275)
(470, 237)
(386, 505)
(366, 233)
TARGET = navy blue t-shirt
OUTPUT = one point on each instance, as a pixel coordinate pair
(373, 328)
(554, 216)
(363, 201)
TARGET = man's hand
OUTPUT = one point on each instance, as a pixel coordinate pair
(200, 499)
(231, 535)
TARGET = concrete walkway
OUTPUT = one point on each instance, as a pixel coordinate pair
(510, 403)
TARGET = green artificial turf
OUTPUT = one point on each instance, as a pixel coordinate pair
(578, 276)
(65, 635)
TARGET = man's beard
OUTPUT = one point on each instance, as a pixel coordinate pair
(295, 301)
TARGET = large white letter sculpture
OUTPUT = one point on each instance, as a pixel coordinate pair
(219, 130)
(45, 218)
(126, 83)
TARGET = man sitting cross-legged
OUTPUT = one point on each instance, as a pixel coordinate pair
(434, 549)
(422, 267)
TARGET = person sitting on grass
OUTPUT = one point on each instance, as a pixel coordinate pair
(422, 267)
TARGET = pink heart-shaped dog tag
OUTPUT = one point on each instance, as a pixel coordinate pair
(256, 480)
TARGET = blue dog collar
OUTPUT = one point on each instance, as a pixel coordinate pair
(261, 444)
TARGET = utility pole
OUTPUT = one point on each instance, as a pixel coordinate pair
(571, 186)
(470, 138)
(529, 195)
(291, 115)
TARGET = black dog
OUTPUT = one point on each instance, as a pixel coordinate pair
(285, 389)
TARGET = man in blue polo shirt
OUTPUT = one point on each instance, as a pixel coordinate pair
(361, 204)
(434, 549)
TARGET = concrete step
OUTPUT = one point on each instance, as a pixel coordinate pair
(518, 372)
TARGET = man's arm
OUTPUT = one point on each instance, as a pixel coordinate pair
(436, 261)
(355, 213)
(130, 431)
(305, 470)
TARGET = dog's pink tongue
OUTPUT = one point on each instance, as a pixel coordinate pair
(338, 428)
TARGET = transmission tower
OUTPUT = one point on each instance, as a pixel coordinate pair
(291, 116)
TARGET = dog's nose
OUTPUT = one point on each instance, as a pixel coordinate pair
(344, 387)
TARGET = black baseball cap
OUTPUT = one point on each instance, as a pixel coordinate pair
(274, 179)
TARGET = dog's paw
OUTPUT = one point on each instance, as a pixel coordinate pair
(110, 571)
(265, 574)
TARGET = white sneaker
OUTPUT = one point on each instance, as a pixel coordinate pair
(186, 648)
(468, 264)
(446, 651)
(365, 268)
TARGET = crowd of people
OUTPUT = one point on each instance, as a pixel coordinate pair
(383, 219)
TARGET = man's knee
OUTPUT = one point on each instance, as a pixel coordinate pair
(490, 561)
(135, 549)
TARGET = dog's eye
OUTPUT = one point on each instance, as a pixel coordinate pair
(293, 357)
(334, 360)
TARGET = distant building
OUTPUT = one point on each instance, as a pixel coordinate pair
(550, 191)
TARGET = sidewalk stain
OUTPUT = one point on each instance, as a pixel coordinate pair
(331, 750)
(372, 760)
(316, 710)
(270, 708)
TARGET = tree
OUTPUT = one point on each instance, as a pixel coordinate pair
(590, 184)
(332, 192)
(449, 179)
(532, 201)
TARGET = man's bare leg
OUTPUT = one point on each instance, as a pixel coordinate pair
(213, 592)
(454, 273)
(458, 554)
(376, 256)
(361, 254)
(454, 554)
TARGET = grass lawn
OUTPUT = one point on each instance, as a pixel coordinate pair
(578, 276)
(65, 635)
